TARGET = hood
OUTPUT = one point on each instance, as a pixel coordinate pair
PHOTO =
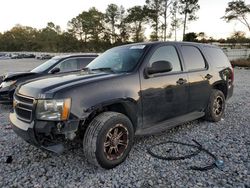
(46, 87)
(16, 75)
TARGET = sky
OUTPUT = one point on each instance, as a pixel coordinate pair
(37, 13)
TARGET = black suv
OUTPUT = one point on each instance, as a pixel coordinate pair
(58, 64)
(130, 90)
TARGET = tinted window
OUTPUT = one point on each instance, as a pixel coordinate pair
(120, 59)
(217, 57)
(68, 65)
(193, 58)
(45, 66)
(167, 53)
(83, 62)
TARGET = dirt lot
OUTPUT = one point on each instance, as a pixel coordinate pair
(228, 139)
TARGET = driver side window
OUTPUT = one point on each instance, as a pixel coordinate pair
(167, 53)
(68, 65)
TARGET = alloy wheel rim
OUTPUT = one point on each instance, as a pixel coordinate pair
(218, 106)
(116, 142)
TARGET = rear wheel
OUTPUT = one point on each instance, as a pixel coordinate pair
(108, 139)
(216, 107)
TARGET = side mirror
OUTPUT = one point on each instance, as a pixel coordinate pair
(159, 67)
(55, 70)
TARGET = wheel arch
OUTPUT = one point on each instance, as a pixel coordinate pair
(128, 107)
(222, 86)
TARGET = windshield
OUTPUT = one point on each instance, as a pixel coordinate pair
(121, 59)
(45, 66)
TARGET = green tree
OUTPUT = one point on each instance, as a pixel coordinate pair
(159, 12)
(54, 27)
(97, 24)
(239, 11)
(47, 38)
(202, 37)
(68, 43)
(176, 22)
(238, 37)
(80, 26)
(190, 37)
(87, 25)
(19, 38)
(136, 17)
(154, 11)
(122, 26)
(111, 17)
(167, 12)
(188, 8)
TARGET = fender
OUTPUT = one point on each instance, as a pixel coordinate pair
(105, 93)
(127, 106)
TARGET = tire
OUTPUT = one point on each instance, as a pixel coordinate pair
(103, 144)
(216, 106)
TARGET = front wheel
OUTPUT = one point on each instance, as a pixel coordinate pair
(216, 106)
(108, 139)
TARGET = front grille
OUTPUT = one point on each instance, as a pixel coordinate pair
(24, 113)
(23, 107)
(24, 99)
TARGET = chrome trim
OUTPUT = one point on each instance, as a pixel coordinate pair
(29, 109)
(24, 96)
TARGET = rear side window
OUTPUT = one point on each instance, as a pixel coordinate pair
(68, 65)
(83, 62)
(217, 57)
(167, 53)
(193, 58)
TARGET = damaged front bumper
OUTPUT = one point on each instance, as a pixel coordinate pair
(45, 135)
(6, 95)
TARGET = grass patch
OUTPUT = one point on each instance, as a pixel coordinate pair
(241, 63)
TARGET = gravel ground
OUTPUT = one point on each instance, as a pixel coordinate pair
(10, 65)
(227, 139)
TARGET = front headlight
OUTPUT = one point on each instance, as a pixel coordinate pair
(55, 110)
(8, 83)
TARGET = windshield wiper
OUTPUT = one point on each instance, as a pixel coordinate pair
(105, 69)
(85, 69)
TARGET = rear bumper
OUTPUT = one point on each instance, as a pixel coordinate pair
(230, 92)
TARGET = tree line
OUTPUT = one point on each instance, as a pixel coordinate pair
(96, 31)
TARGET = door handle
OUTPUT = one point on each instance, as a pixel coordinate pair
(208, 76)
(181, 81)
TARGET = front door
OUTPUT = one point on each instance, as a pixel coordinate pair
(164, 95)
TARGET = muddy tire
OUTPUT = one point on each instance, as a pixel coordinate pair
(216, 106)
(108, 139)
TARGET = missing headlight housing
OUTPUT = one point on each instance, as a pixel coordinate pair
(7, 83)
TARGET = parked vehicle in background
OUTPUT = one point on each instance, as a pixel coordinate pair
(4, 56)
(21, 55)
(58, 64)
(130, 90)
(29, 56)
(45, 56)
(16, 56)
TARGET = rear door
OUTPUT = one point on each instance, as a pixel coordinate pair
(198, 77)
(222, 66)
